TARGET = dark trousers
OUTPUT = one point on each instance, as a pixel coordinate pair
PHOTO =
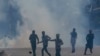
(73, 47)
(34, 52)
(88, 46)
(58, 52)
(73, 42)
(45, 49)
(33, 49)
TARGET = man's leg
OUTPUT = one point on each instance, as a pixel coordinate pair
(91, 50)
(47, 51)
(73, 41)
(42, 51)
(73, 47)
(58, 52)
(34, 52)
(85, 50)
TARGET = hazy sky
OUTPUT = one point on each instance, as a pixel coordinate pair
(19, 17)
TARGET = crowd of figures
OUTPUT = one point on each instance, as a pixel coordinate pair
(58, 42)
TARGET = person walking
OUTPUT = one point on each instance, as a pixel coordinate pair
(89, 44)
(33, 37)
(73, 39)
(45, 40)
(58, 44)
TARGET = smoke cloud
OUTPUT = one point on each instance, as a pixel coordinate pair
(52, 16)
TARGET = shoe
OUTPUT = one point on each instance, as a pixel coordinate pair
(73, 51)
(91, 52)
(84, 53)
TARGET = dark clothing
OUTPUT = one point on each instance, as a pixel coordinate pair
(73, 40)
(45, 49)
(89, 39)
(33, 38)
(73, 35)
(58, 43)
(45, 40)
(58, 52)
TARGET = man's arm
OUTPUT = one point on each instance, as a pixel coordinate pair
(40, 42)
(87, 38)
(30, 37)
(53, 40)
(37, 38)
(76, 35)
(49, 37)
(93, 36)
(62, 42)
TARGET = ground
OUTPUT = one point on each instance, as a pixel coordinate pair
(65, 52)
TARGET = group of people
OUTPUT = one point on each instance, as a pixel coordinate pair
(45, 39)
(89, 40)
(58, 42)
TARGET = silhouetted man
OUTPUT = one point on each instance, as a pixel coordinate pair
(58, 43)
(73, 39)
(89, 39)
(33, 37)
(45, 40)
